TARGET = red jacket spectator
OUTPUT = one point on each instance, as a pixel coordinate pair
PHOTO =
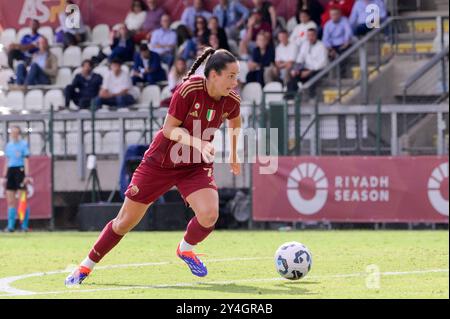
(345, 6)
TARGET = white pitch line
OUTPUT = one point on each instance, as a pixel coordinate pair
(5, 283)
(229, 282)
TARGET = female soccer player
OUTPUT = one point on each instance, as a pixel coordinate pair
(199, 105)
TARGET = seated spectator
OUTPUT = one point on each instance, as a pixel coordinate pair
(43, 68)
(232, 16)
(28, 45)
(337, 34)
(254, 26)
(70, 36)
(269, 15)
(152, 21)
(285, 55)
(122, 45)
(312, 58)
(313, 7)
(201, 33)
(177, 72)
(345, 6)
(147, 67)
(186, 46)
(164, 41)
(359, 16)
(299, 34)
(136, 17)
(189, 15)
(116, 88)
(84, 88)
(262, 57)
(213, 42)
(214, 28)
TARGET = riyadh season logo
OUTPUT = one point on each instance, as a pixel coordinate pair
(438, 189)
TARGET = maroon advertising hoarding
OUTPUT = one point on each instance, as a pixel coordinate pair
(353, 189)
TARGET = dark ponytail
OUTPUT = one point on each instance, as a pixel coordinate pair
(206, 53)
(217, 62)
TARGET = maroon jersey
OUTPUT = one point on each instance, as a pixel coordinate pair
(192, 105)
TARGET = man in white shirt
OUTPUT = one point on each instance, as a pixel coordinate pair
(312, 58)
(285, 55)
(116, 88)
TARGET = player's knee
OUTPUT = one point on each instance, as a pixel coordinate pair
(208, 217)
(121, 226)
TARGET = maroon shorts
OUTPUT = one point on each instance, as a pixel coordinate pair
(151, 181)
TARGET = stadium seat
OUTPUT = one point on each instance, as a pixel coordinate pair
(110, 143)
(58, 51)
(351, 128)
(234, 47)
(329, 127)
(7, 37)
(53, 97)
(3, 59)
(100, 34)
(102, 70)
(174, 25)
(47, 32)
(252, 92)
(165, 93)
(21, 33)
(72, 57)
(34, 100)
(15, 100)
(36, 144)
(291, 24)
(76, 71)
(64, 77)
(88, 143)
(90, 52)
(243, 71)
(134, 138)
(150, 94)
(273, 87)
(5, 75)
(72, 143)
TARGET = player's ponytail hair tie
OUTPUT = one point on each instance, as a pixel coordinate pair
(217, 60)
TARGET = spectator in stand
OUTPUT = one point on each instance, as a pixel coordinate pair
(164, 41)
(201, 32)
(84, 88)
(314, 8)
(116, 88)
(188, 18)
(177, 72)
(215, 29)
(299, 34)
(345, 6)
(136, 17)
(122, 45)
(71, 36)
(337, 33)
(254, 26)
(268, 12)
(43, 68)
(153, 18)
(232, 16)
(359, 16)
(262, 57)
(214, 42)
(147, 67)
(312, 58)
(28, 45)
(186, 46)
(285, 55)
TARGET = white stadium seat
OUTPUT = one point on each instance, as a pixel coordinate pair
(64, 77)
(151, 94)
(47, 32)
(102, 70)
(243, 71)
(53, 97)
(90, 52)
(133, 138)
(110, 143)
(36, 144)
(100, 34)
(165, 93)
(3, 59)
(252, 92)
(7, 37)
(291, 24)
(273, 87)
(34, 100)
(58, 51)
(72, 57)
(22, 32)
(15, 100)
(5, 75)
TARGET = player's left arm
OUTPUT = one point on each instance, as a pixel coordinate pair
(234, 126)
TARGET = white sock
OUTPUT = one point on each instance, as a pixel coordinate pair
(184, 246)
(88, 263)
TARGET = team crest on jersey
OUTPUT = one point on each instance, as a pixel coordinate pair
(194, 114)
(197, 106)
(210, 115)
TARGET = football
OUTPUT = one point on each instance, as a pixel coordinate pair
(293, 260)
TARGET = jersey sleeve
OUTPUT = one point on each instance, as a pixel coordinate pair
(235, 112)
(179, 106)
(26, 150)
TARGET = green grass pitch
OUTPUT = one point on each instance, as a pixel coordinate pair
(411, 264)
